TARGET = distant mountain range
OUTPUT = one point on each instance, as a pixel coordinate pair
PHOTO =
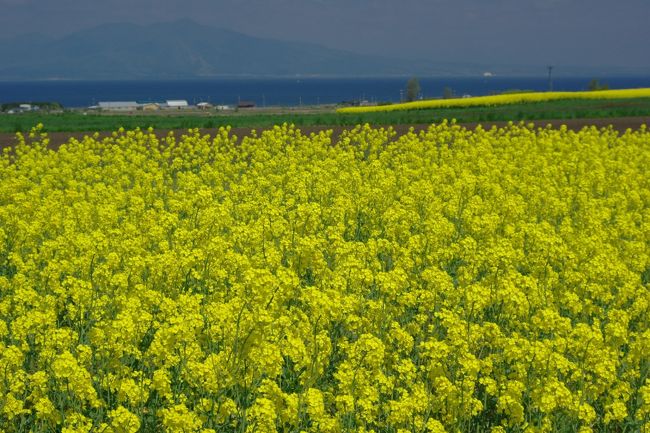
(185, 49)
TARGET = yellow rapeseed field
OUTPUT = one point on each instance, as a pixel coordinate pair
(505, 99)
(451, 280)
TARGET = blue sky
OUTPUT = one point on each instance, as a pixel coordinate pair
(564, 32)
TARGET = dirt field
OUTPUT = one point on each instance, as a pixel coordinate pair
(620, 124)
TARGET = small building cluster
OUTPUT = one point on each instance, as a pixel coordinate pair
(171, 104)
(23, 108)
(127, 106)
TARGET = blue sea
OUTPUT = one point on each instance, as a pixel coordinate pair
(284, 91)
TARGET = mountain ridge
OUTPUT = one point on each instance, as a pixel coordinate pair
(185, 49)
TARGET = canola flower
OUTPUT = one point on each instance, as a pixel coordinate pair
(451, 280)
(505, 99)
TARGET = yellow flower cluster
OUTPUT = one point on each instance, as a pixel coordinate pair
(451, 280)
(505, 99)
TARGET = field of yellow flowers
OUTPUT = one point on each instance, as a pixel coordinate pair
(451, 280)
(503, 99)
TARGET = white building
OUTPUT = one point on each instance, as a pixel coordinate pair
(118, 105)
(176, 104)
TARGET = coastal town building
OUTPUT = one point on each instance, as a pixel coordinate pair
(151, 106)
(118, 105)
(176, 104)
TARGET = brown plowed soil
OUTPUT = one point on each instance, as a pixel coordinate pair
(620, 124)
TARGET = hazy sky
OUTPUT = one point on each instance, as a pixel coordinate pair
(529, 32)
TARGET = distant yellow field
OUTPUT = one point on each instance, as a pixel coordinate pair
(503, 100)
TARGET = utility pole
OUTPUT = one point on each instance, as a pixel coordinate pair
(550, 78)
